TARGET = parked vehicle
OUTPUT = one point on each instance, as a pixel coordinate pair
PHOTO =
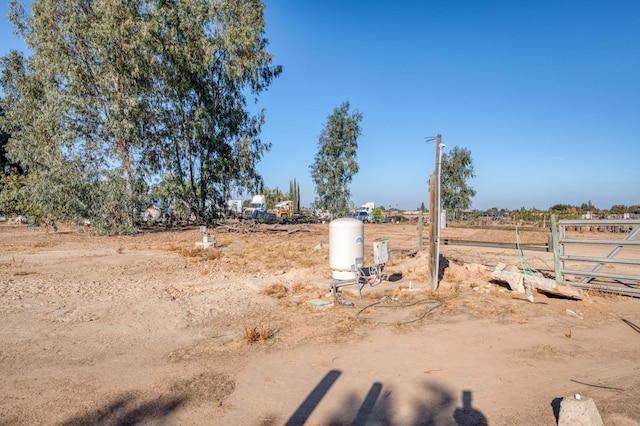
(363, 216)
(258, 204)
(284, 210)
(263, 216)
(368, 207)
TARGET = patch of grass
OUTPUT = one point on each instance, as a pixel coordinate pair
(42, 244)
(258, 333)
(193, 252)
(298, 288)
(603, 294)
(277, 291)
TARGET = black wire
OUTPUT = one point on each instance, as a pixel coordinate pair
(421, 317)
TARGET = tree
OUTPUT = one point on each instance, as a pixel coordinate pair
(87, 73)
(588, 206)
(456, 169)
(10, 172)
(294, 194)
(211, 54)
(4, 138)
(335, 162)
(378, 214)
(117, 91)
(272, 197)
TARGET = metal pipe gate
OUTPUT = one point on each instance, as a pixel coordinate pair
(603, 274)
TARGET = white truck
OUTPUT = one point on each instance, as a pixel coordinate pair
(258, 204)
(365, 212)
(368, 207)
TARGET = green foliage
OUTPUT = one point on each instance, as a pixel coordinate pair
(335, 162)
(117, 91)
(456, 170)
(294, 195)
(211, 54)
(273, 197)
(378, 214)
(4, 138)
(585, 207)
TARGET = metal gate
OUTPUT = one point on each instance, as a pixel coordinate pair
(605, 271)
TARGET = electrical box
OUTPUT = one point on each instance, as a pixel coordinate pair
(381, 252)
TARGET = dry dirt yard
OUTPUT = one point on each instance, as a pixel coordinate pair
(147, 329)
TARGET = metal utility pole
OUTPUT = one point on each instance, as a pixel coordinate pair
(435, 214)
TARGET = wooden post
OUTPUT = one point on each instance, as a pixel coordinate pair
(420, 227)
(433, 252)
(437, 213)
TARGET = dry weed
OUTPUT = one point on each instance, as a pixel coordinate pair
(42, 244)
(23, 273)
(299, 288)
(258, 333)
(277, 291)
(193, 252)
(606, 294)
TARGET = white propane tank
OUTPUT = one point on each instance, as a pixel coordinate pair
(346, 247)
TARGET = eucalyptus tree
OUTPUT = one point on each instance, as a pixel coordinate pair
(210, 56)
(75, 106)
(115, 91)
(456, 170)
(335, 163)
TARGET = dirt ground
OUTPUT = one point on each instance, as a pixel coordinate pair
(149, 329)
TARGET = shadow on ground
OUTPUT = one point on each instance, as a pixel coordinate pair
(131, 408)
(128, 409)
(438, 407)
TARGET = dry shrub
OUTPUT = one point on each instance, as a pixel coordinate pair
(277, 291)
(42, 244)
(120, 250)
(202, 253)
(172, 247)
(394, 293)
(298, 288)
(23, 273)
(301, 288)
(344, 328)
(191, 252)
(258, 333)
(495, 307)
(594, 293)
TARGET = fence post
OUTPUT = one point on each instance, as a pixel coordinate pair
(556, 254)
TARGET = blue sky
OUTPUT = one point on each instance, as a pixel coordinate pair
(545, 95)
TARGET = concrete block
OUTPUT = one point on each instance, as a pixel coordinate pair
(577, 410)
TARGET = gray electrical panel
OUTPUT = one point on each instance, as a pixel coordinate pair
(381, 252)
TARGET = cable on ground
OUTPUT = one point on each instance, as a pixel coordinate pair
(440, 302)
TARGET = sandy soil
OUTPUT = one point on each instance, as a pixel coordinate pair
(147, 329)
